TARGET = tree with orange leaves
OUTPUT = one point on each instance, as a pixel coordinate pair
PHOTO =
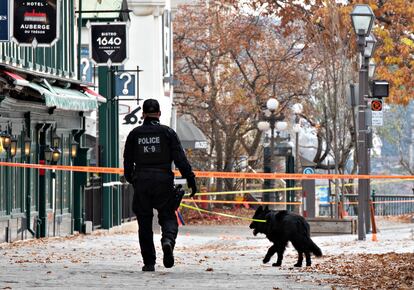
(228, 63)
(393, 29)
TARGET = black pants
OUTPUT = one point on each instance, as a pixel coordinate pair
(154, 190)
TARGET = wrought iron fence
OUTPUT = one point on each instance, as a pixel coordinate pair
(93, 201)
(127, 193)
(93, 193)
(384, 205)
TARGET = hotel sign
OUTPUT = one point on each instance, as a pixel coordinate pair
(4, 21)
(36, 22)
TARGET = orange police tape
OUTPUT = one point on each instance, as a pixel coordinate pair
(285, 202)
(245, 175)
(241, 202)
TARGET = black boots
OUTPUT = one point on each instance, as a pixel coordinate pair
(168, 259)
(148, 268)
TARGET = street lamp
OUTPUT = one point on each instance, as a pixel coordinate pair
(362, 21)
(272, 104)
(271, 122)
(370, 43)
(297, 110)
(263, 126)
(371, 69)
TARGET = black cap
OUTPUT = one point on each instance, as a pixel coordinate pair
(151, 106)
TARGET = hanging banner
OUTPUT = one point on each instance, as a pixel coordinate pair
(86, 67)
(109, 43)
(125, 84)
(4, 21)
(35, 22)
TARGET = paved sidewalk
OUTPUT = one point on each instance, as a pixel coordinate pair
(207, 257)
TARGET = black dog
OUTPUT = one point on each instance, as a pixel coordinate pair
(280, 228)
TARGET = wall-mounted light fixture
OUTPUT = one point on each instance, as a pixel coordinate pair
(52, 154)
(6, 140)
(74, 149)
(13, 147)
(55, 140)
(27, 146)
(2, 136)
(48, 153)
(56, 155)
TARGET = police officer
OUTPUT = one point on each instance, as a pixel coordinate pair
(148, 155)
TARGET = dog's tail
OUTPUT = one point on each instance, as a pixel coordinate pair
(314, 248)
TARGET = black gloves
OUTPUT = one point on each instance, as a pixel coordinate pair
(192, 184)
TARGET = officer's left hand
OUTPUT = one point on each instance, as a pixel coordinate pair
(193, 190)
(192, 184)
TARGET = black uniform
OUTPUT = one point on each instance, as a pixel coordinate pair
(149, 152)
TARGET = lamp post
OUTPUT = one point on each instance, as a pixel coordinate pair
(270, 123)
(297, 110)
(362, 21)
(273, 122)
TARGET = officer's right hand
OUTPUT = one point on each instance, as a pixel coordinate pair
(192, 184)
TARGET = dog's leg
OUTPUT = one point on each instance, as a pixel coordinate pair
(269, 254)
(308, 259)
(300, 259)
(280, 250)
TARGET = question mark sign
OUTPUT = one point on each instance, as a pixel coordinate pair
(126, 83)
(86, 65)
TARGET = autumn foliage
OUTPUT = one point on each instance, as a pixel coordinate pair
(394, 26)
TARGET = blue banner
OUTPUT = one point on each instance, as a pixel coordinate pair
(86, 67)
(125, 84)
(4, 21)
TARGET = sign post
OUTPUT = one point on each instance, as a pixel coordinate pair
(108, 43)
(35, 22)
(376, 112)
(4, 21)
(308, 189)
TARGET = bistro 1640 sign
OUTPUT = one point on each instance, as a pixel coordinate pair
(108, 45)
(35, 22)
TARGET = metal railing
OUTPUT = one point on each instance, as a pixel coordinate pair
(93, 193)
(384, 205)
(127, 194)
(93, 201)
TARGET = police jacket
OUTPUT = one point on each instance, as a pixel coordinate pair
(154, 146)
